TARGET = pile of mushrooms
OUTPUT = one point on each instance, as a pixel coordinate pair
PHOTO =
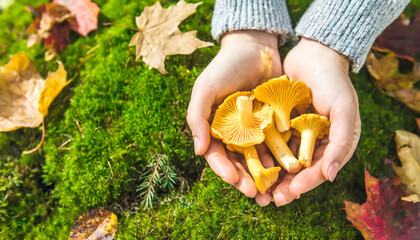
(245, 119)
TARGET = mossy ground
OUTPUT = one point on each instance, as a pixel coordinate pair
(128, 113)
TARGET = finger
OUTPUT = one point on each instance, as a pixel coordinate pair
(263, 199)
(293, 144)
(245, 183)
(199, 110)
(282, 194)
(265, 155)
(343, 119)
(311, 177)
(219, 162)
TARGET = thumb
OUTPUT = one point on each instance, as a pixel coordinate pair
(199, 110)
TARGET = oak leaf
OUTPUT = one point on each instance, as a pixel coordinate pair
(408, 148)
(159, 35)
(86, 13)
(384, 215)
(388, 79)
(95, 224)
(402, 37)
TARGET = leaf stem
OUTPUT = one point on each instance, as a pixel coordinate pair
(40, 144)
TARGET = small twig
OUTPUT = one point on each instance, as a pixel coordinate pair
(112, 173)
(153, 176)
(201, 206)
(64, 144)
(40, 144)
(202, 174)
(80, 128)
(221, 230)
(167, 220)
(120, 25)
(92, 49)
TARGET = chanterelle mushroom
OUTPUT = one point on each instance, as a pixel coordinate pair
(239, 122)
(278, 146)
(309, 127)
(283, 95)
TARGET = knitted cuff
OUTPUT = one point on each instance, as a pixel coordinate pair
(349, 26)
(265, 15)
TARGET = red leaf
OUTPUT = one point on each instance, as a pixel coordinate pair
(401, 37)
(384, 215)
(86, 13)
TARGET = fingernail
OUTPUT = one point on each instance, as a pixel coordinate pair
(298, 196)
(332, 171)
(197, 146)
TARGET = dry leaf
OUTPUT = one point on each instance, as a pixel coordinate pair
(389, 80)
(25, 96)
(402, 37)
(159, 35)
(408, 148)
(53, 24)
(86, 13)
(95, 224)
(384, 215)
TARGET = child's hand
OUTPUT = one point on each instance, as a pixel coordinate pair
(326, 74)
(237, 67)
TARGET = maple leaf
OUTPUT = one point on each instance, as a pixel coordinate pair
(159, 35)
(86, 13)
(388, 79)
(53, 24)
(408, 148)
(401, 37)
(95, 224)
(24, 95)
(384, 215)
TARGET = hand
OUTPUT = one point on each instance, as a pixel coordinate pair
(237, 67)
(325, 72)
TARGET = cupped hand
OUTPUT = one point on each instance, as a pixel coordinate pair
(238, 66)
(325, 72)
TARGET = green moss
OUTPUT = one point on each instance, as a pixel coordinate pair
(126, 114)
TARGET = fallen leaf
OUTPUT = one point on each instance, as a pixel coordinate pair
(25, 96)
(402, 37)
(408, 148)
(388, 79)
(159, 35)
(418, 122)
(95, 224)
(384, 215)
(86, 13)
(53, 24)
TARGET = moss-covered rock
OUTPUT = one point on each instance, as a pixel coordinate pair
(127, 113)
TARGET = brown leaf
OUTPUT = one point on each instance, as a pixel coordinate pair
(401, 37)
(384, 215)
(86, 13)
(408, 148)
(159, 35)
(389, 80)
(95, 224)
(24, 95)
(53, 24)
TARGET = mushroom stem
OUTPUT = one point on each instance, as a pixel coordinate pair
(264, 177)
(306, 149)
(281, 151)
(282, 122)
(244, 104)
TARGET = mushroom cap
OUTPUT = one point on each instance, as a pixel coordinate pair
(319, 125)
(283, 95)
(227, 124)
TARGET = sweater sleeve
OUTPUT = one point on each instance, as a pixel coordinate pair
(265, 15)
(349, 26)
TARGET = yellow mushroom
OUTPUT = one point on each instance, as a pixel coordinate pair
(309, 127)
(278, 147)
(283, 95)
(239, 122)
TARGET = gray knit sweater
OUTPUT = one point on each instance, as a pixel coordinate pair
(348, 26)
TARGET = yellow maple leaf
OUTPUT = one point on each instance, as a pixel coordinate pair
(408, 148)
(95, 224)
(159, 35)
(25, 96)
